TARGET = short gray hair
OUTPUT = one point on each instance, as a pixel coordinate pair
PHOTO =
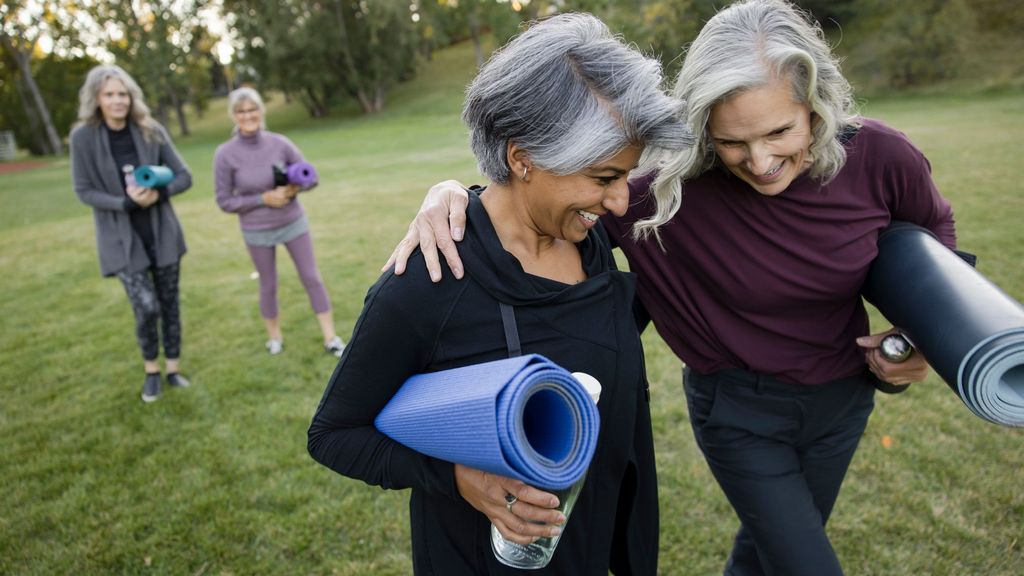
(88, 99)
(746, 46)
(246, 94)
(570, 94)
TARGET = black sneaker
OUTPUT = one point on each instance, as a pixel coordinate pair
(177, 380)
(151, 388)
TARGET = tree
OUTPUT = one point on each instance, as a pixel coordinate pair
(659, 28)
(155, 42)
(915, 43)
(20, 30)
(316, 50)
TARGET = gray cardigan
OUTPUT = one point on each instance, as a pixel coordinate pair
(97, 182)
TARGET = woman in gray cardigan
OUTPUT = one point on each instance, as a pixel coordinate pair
(138, 236)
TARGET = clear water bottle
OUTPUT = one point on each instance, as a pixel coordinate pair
(538, 554)
(129, 175)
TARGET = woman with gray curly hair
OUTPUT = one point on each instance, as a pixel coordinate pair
(138, 236)
(773, 220)
(559, 117)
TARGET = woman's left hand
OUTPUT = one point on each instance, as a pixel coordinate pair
(913, 369)
(520, 512)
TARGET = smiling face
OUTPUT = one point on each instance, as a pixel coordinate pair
(763, 136)
(115, 103)
(568, 206)
(247, 116)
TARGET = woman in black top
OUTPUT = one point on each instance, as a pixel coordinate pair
(138, 235)
(558, 119)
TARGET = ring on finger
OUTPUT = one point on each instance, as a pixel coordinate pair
(510, 499)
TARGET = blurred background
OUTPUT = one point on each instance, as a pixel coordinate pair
(215, 479)
(336, 53)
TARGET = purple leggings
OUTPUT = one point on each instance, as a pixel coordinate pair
(301, 251)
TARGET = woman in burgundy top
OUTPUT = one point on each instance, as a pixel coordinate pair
(767, 228)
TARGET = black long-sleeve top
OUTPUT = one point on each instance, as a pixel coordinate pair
(410, 325)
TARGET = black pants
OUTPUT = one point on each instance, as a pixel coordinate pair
(153, 294)
(780, 452)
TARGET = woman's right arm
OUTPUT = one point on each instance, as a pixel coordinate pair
(392, 341)
(438, 225)
(83, 163)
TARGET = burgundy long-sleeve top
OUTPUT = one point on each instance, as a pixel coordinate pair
(771, 284)
(243, 171)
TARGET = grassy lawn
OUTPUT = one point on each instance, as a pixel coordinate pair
(216, 480)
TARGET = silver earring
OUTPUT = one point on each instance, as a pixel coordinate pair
(525, 170)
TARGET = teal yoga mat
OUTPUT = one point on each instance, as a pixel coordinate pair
(153, 176)
(523, 417)
(969, 330)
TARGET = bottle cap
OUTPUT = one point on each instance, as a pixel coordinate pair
(592, 386)
(896, 348)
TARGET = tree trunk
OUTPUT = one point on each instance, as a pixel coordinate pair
(40, 145)
(355, 79)
(179, 109)
(474, 33)
(54, 143)
(316, 105)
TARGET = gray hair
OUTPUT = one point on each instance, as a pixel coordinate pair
(88, 99)
(246, 94)
(745, 46)
(570, 94)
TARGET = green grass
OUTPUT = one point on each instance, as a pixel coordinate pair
(216, 480)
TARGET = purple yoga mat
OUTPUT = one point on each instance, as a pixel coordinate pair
(524, 417)
(301, 173)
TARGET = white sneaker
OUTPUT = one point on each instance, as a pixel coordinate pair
(336, 346)
(275, 347)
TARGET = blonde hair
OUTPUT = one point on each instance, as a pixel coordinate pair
(88, 96)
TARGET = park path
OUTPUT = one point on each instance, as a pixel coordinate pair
(8, 167)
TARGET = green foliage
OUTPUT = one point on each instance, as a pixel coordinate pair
(913, 43)
(51, 74)
(318, 51)
(215, 479)
(159, 43)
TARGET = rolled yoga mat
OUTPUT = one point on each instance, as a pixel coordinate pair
(523, 417)
(153, 176)
(301, 173)
(970, 331)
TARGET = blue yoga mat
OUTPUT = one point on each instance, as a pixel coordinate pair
(524, 417)
(970, 331)
(153, 176)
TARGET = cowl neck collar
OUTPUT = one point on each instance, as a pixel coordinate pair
(499, 272)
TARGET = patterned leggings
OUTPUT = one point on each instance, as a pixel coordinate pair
(153, 294)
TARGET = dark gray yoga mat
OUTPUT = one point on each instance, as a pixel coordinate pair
(969, 330)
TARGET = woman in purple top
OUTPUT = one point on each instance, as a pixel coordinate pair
(269, 213)
(770, 223)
